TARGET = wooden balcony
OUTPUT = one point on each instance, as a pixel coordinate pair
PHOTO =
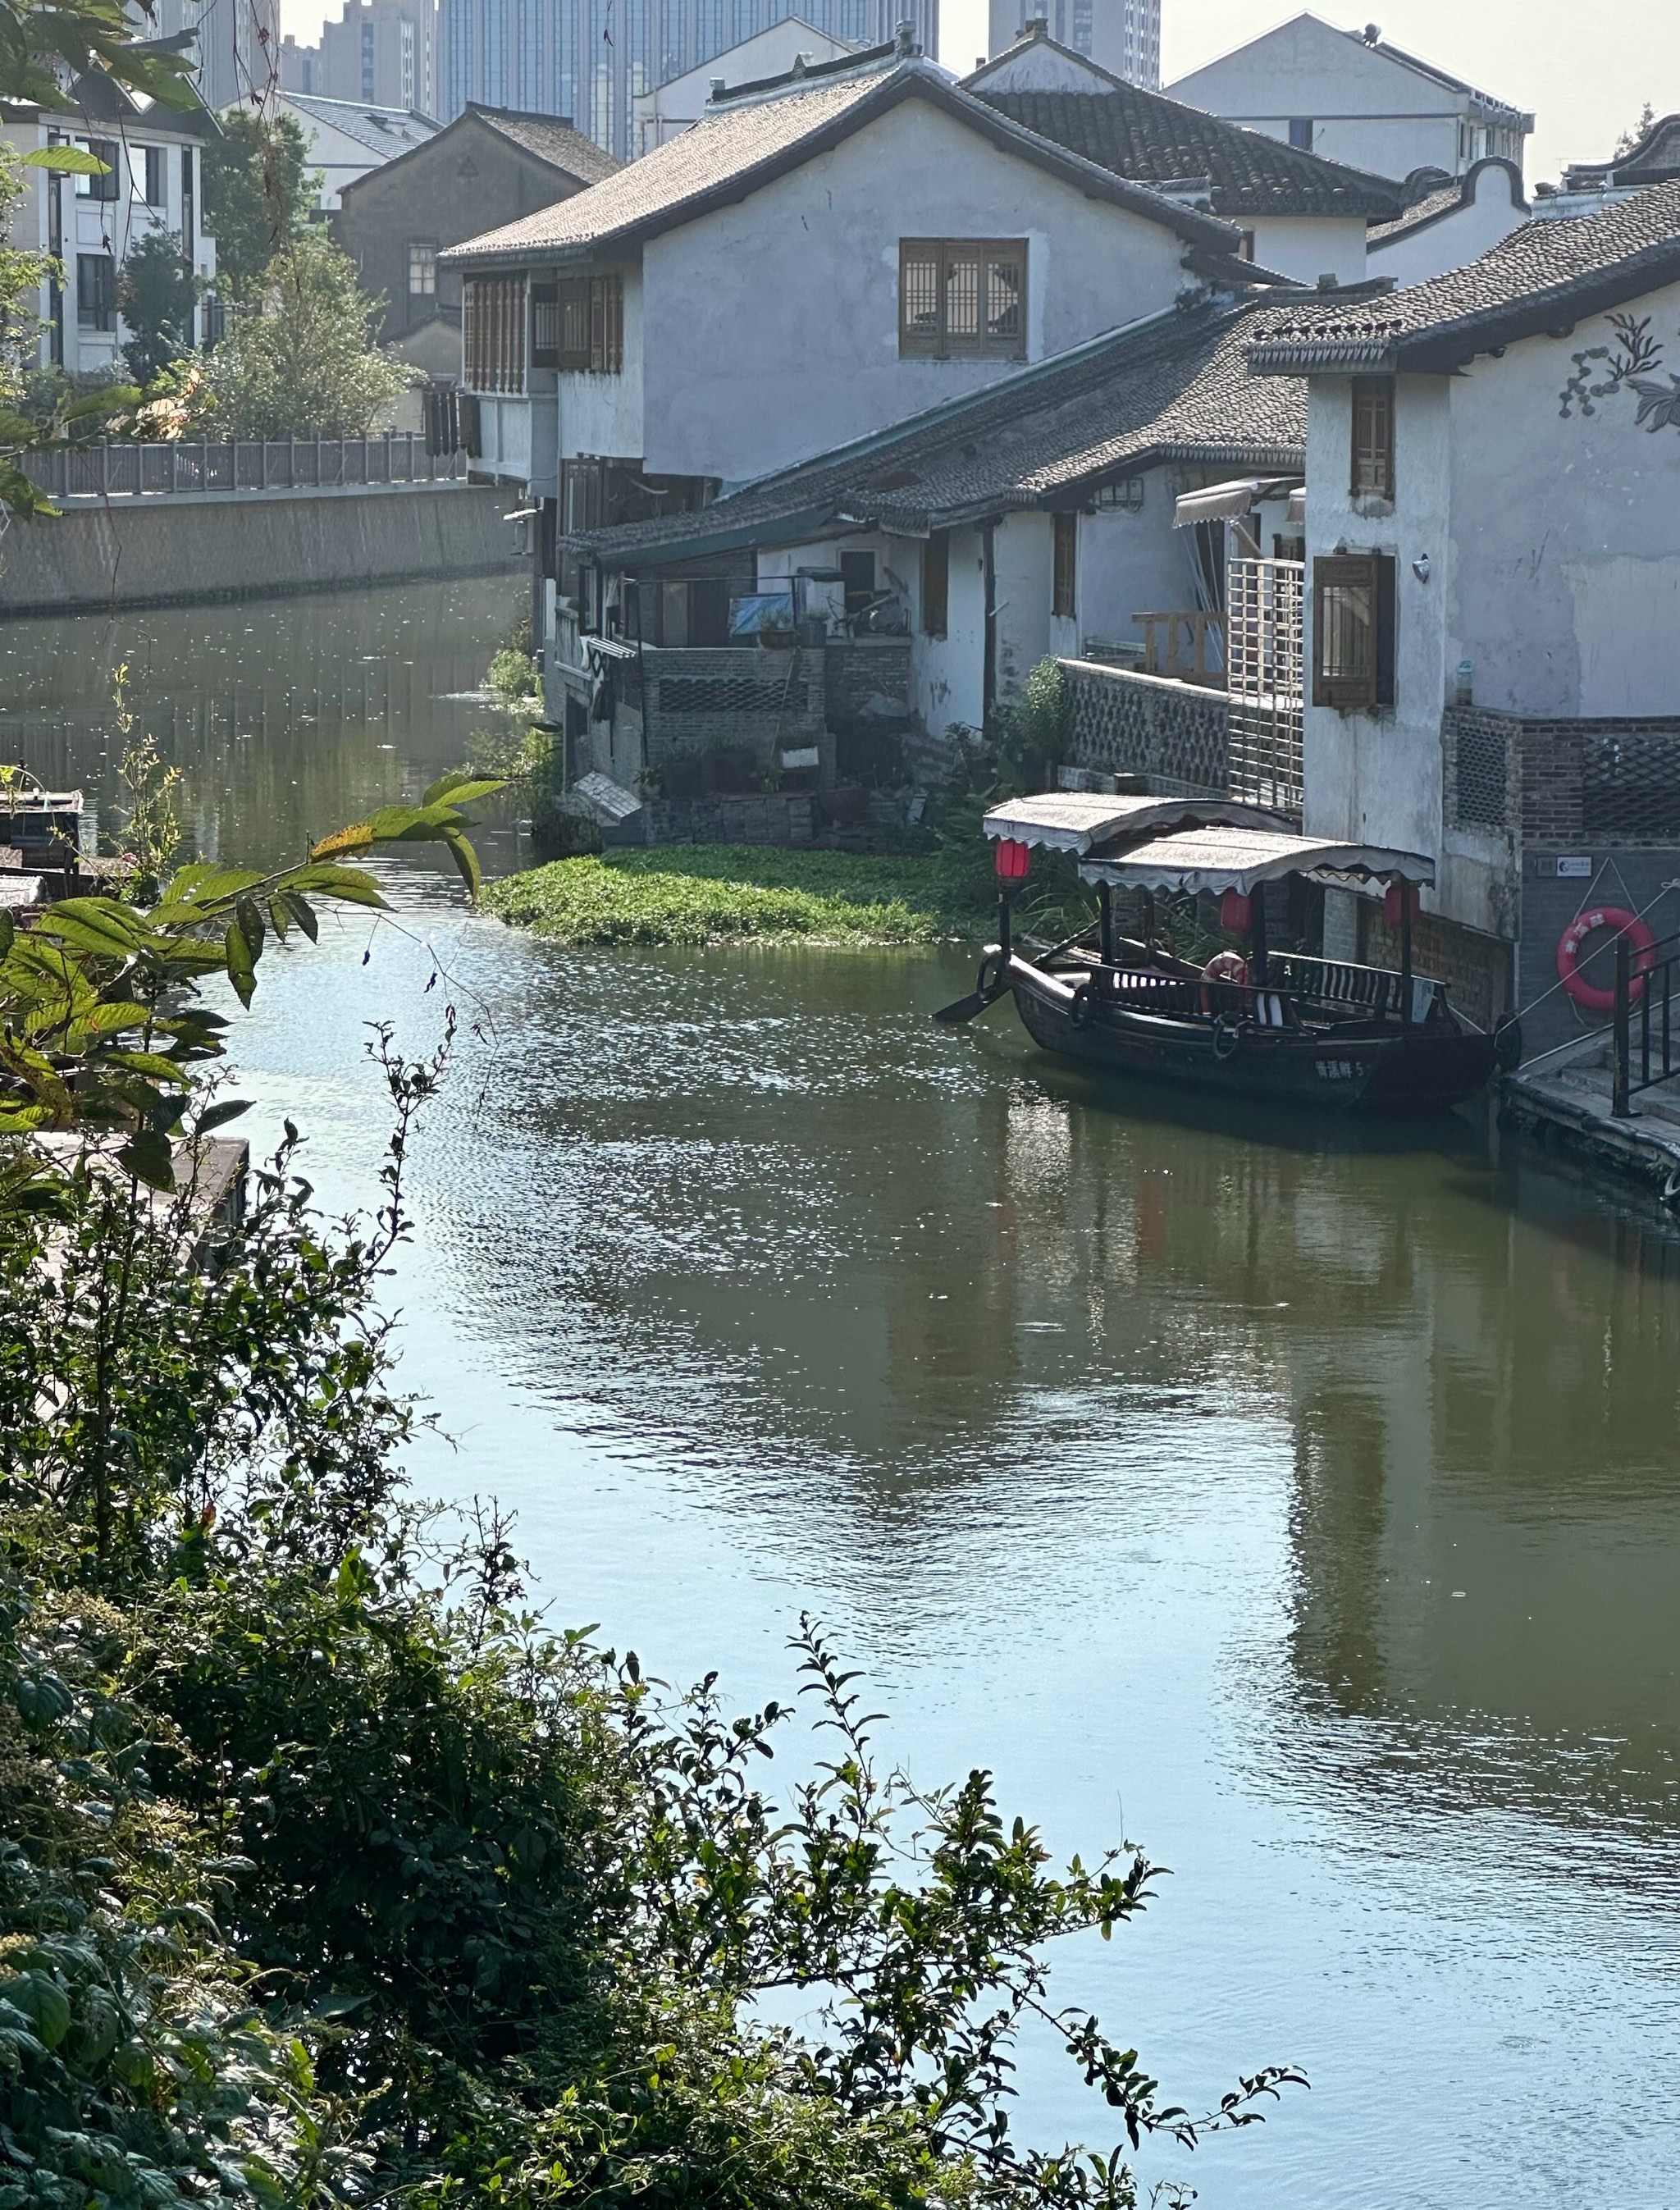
(1178, 646)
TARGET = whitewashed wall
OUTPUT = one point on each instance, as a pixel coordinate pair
(1494, 209)
(772, 329)
(1554, 549)
(1308, 247)
(1367, 110)
(603, 414)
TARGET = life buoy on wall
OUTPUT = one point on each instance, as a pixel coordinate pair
(1620, 923)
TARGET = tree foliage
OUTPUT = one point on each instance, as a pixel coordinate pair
(301, 357)
(35, 36)
(158, 292)
(258, 192)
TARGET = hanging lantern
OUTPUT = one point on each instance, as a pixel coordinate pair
(1401, 901)
(1234, 913)
(1012, 860)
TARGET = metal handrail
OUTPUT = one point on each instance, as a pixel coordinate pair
(1643, 978)
(166, 467)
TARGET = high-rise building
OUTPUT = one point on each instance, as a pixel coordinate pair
(1121, 36)
(590, 60)
(384, 52)
(238, 44)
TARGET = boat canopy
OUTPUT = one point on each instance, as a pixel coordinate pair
(1080, 821)
(1240, 859)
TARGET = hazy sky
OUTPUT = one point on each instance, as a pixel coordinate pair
(1540, 54)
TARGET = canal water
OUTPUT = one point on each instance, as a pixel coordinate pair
(1304, 1508)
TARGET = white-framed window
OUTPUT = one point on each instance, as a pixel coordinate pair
(422, 268)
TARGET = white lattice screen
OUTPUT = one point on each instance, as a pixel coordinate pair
(1264, 673)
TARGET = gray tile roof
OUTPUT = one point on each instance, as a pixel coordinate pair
(552, 139)
(1654, 161)
(387, 130)
(1544, 276)
(740, 146)
(1177, 388)
(1152, 140)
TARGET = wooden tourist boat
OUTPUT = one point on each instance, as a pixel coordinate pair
(44, 826)
(1281, 1025)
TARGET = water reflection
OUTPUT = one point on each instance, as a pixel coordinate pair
(1310, 1495)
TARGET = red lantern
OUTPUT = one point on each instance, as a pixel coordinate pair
(1013, 859)
(1234, 914)
(1400, 899)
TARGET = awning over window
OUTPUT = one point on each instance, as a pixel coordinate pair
(1226, 502)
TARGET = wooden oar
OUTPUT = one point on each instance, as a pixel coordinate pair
(977, 1001)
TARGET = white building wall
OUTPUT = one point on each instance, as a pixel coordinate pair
(1566, 532)
(676, 106)
(1494, 209)
(1554, 550)
(1127, 564)
(1308, 247)
(950, 670)
(771, 327)
(602, 414)
(1376, 776)
(1366, 109)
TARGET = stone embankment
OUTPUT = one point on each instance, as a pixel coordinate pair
(124, 552)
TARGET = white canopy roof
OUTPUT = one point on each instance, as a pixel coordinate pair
(1240, 859)
(1223, 502)
(1080, 820)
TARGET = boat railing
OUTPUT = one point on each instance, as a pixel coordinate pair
(1344, 985)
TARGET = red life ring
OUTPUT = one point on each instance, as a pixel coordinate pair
(1621, 923)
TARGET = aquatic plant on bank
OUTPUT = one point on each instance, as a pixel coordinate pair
(698, 894)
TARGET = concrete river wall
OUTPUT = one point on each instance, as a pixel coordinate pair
(126, 552)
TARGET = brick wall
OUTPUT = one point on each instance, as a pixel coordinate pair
(1562, 782)
(868, 675)
(774, 819)
(745, 697)
(1171, 735)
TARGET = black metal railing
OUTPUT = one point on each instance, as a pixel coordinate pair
(1645, 1036)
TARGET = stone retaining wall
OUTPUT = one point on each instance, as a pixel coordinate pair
(160, 552)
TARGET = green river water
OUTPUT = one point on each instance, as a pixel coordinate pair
(1306, 1508)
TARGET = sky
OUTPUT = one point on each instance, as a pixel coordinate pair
(1545, 54)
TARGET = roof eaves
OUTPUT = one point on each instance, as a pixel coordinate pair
(912, 81)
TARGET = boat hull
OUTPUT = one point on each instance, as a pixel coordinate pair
(1403, 1073)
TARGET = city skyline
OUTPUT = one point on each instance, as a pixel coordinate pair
(1527, 50)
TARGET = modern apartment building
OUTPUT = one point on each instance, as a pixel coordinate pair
(591, 60)
(382, 51)
(1121, 36)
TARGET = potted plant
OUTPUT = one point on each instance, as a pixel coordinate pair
(776, 629)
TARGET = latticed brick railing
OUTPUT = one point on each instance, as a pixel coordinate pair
(1172, 734)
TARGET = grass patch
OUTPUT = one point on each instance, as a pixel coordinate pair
(698, 894)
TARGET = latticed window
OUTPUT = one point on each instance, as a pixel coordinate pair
(422, 269)
(1065, 580)
(578, 324)
(1372, 436)
(962, 296)
(493, 333)
(1353, 630)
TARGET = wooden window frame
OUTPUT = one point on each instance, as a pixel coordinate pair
(1371, 455)
(1361, 689)
(587, 325)
(493, 317)
(425, 246)
(1065, 564)
(936, 584)
(928, 269)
